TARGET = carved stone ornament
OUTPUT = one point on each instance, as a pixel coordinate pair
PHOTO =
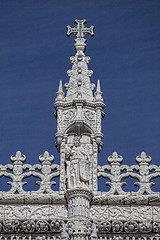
(113, 172)
(78, 226)
(19, 172)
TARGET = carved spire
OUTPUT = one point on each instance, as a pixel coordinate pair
(79, 86)
(79, 111)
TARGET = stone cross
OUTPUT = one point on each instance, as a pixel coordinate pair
(80, 30)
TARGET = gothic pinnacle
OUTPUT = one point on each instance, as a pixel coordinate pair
(60, 89)
(98, 86)
(78, 112)
(60, 93)
(98, 93)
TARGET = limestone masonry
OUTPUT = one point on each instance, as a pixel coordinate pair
(78, 211)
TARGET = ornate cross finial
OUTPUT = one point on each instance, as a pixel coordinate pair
(80, 31)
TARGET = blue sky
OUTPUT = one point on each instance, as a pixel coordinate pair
(125, 56)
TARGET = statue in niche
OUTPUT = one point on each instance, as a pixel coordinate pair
(77, 162)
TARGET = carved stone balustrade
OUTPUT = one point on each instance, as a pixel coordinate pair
(46, 172)
(142, 172)
(19, 171)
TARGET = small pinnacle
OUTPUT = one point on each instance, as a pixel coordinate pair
(60, 89)
(98, 93)
(98, 86)
(60, 93)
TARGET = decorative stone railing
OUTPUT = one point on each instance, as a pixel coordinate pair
(44, 214)
(17, 172)
(116, 172)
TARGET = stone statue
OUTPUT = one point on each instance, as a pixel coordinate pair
(77, 161)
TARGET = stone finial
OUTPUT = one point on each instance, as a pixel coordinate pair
(115, 158)
(98, 86)
(18, 158)
(60, 89)
(98, 93)
(46, 159)
(80, 31)
(143, 158)
(60, 93)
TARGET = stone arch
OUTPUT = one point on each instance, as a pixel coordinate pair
(79, 128)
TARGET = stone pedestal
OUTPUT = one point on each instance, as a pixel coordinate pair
(78, 202)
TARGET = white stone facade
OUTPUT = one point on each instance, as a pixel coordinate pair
(78, 211)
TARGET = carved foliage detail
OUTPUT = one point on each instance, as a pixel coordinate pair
(78, 228)
(128, 227)
(31, 226)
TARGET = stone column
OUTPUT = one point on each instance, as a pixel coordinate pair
(78, 202)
